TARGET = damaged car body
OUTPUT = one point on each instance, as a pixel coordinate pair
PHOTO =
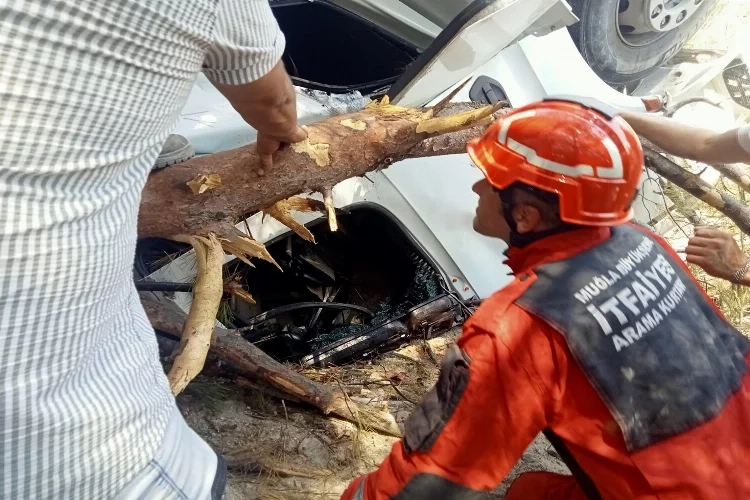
(367, 288)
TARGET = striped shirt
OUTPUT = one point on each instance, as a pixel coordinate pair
(89, 91)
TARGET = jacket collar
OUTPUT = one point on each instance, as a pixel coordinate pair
(556, 247)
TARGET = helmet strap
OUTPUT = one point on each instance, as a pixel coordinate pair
(517, 239)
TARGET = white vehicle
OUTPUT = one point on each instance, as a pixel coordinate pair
(410, 226)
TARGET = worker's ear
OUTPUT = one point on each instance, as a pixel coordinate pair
(528, 218)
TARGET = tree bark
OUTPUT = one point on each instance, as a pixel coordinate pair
(693, 184)
(336, 149)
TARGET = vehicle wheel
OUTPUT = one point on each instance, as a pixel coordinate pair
(625, 40)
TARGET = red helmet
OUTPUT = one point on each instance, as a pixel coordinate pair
(592, 161)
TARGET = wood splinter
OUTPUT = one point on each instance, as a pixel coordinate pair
(333, 223)
(199, 325)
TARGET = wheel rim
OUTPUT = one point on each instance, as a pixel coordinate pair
(640, 22)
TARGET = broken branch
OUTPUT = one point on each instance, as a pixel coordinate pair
(282, 212)
(333, 223)
(196, 333)
(693, 184)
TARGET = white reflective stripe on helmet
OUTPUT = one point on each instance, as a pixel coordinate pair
(614, 172)
(533, 159)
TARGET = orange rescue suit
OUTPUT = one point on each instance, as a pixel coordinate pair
(511, 376)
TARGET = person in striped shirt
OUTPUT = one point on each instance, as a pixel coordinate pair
(89, 92)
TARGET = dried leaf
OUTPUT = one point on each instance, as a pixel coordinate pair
(240, 293)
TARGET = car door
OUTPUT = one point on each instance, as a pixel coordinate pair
(438, 189)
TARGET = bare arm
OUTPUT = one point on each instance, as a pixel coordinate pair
(270, 105)
(243, 62)
(687, 141)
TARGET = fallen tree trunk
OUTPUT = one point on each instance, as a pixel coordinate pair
(201, 200)
(694, 185)
(246, 360)
(336, 149)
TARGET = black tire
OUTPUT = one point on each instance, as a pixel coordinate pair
(616, 62)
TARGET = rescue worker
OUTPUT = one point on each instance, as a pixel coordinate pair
(603, 340)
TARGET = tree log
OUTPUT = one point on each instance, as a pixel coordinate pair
(336, 149)
(735, 173)
(249, 361)
(693, 184)
(202, 199)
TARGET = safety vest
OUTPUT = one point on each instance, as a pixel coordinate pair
(658, 355)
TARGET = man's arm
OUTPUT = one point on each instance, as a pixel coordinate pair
(243, 62)
(487, 406)
(270, 106)
(691, 142)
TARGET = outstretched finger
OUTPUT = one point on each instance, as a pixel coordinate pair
(266, 147)
(266, 163)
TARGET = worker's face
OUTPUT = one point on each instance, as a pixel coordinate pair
(488, 219)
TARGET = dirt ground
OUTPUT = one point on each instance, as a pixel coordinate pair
(309, 456)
